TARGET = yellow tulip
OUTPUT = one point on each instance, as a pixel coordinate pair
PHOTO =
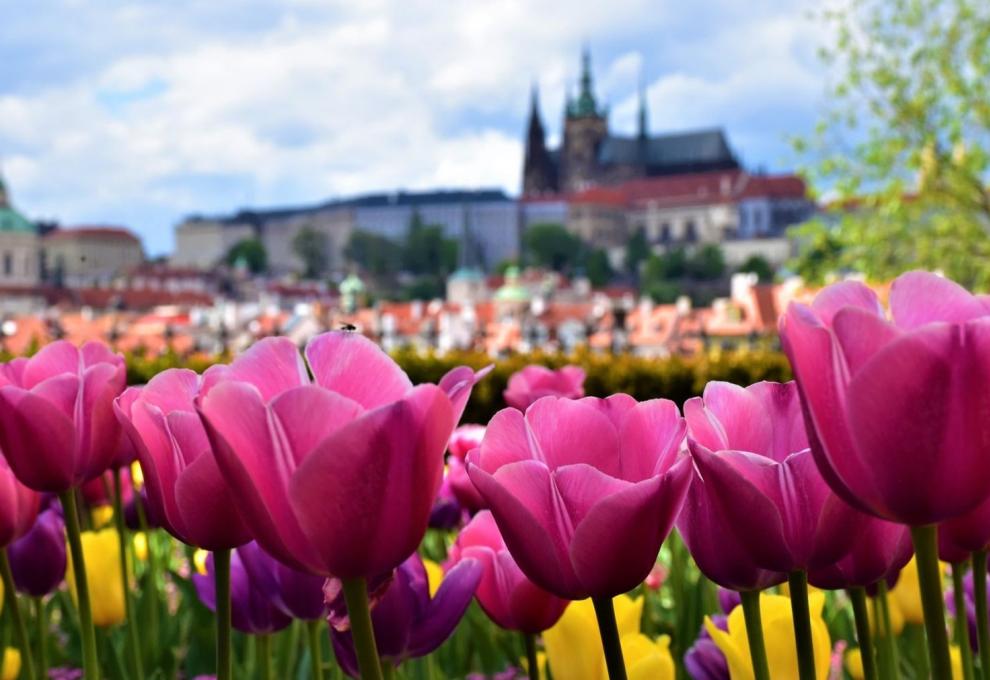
(854, 663)
(574, 647)
(101, 550)
(137, 476)
(140, 544)
(101, 515)
(11, 664)
(906, 594)
(778, 634)
(199, 561)
(434, 575)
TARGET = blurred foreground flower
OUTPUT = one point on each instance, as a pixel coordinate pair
(778, 633)
(101, 552)
(574, 647)
(854, 664)
(251, 609)
(535, 382)
(11, 668)
(38, 560)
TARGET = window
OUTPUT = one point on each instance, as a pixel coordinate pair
(8, 264)
(665, 232)
(690, 231)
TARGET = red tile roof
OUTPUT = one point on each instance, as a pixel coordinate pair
(87, 232)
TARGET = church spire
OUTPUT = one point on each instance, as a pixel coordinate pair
(539, 173)
(586, 105)
(643, 114)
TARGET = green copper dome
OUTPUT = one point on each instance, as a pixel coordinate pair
(10, 219)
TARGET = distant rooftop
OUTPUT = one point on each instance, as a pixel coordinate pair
(376, 200)
(90, 232)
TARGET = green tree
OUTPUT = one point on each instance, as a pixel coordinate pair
(313, 249)
(251, 252)
(598, 268)
(427, 250)
(376, 254)
(551, 245)
(904, 144)
(637, 250)
(660, 275)
(757, 264)
(707, 263)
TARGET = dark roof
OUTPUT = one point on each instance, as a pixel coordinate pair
(378, 200)
(676, 150)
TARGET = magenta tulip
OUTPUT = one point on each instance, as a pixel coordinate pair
(896, 409)
(337, 475)
(464, 439)
(185, 489)
(879, 552)
(969, 533)
(584, 492)
(761, 492)
(57, 427)
(535, 382)
(510, 599)
(19, 506)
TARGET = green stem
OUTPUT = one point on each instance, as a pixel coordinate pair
(532, 665)
(292, 646)
(888, 656)
(863, 634)
(609, 631)
(962, 621)
(20, 628)
(925, 540)
(264, 650)
(798, 583)
(41, 630)
(313, 632)
(754, 634)
(132, 632)
(388, 671)
(362, 632)
(221, 572)
(151, 576)
(91, 663)
(982, 623)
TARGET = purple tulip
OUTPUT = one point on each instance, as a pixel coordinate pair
(37, 560)
(510, 599)
(408, 623)
(251, 609)
(966, 534)
(704, 660)
(535, 382)
(447, 512)
(584, 492)
(185, 489)
(896, 409)
(969, 598)
(757, 489)
(728, 600)
(879, 552)
(57, 428)
(298, 594)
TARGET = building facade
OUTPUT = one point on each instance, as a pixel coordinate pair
(19, 263)
(592, 154)
(89, 256)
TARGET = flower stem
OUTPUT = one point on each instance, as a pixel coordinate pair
(132, 632)
(982, 623)
(264, 650)
(925, 540)
(887, 645)
(20, 628)
(609, 631)
(41, 630)
(754, 634)
(532, 666)
(962, 622)
(91, 663)
(150, 576)
(315, 648)
(362, 632)
(798, 583)
(221, 572)
(863, 634)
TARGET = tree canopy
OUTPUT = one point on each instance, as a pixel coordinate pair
(903, 148)
(551, 245)
(313, 249)
(251, 252)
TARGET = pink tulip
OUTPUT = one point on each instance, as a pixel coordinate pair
(879, 552)
(584, 492)
(510, 599)
(464, 439)
(334, 475)
(897, 409)
(19, 506)
(761, 491)
(535, 382)
(969, 533)
(184, 486)
(57, 427)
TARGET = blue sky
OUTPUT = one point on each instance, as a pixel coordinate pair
(141, 113)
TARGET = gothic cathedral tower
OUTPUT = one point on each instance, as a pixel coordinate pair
(585, 128)
(539, 171)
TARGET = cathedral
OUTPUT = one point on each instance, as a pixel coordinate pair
(591, 155)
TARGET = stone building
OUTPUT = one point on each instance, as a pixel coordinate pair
(592, 154)
(19, 265)
(80, 257)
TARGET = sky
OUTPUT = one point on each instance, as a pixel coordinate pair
(141, 113)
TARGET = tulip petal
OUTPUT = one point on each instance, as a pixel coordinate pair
(446, 608)
(782, 404)
(736, 419)
(173, 389)
(507, 440)
(38, 440)
(918, 298)
(458, 382)
(616, 545)
(843, 295)
(581, 487)
(363, 497)
(354, 366)
(209, 512)
(53, 359)
(651, 435)
(272, 365)
(861, 335)
(569, 432)
(294, 428)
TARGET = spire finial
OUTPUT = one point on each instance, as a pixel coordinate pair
(643, 114)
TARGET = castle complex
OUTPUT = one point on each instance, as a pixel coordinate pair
(591, 154)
